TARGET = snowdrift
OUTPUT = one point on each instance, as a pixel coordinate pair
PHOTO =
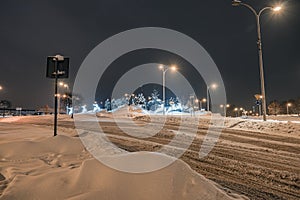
(60, 168)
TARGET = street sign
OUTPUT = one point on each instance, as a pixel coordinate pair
(62, 67)
(57, 67)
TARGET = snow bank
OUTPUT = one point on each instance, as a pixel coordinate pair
(60, 168)
(94, 180)
(269, 126)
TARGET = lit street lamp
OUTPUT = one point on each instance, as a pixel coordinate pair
(164, 70)
(1, 88)
(66, 86)
(62, 84)
(212, 86)
(225, 108)
(237, 111)
(259, 45)
(287, 107)
(199, 101)
(242, 111)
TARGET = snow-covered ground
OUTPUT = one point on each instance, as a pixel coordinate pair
(36, 165)
(255, 158)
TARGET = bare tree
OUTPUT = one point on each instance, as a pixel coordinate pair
(5, 104)
(274, 108)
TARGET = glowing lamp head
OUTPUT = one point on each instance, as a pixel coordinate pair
(173, 68)
(204, 100)
(289, 104)
(161, 67)
(214, 86)
(236, 3)
(277, 8)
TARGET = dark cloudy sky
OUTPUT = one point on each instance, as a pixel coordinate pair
(32, 30)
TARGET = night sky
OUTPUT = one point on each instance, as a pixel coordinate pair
(32, 30)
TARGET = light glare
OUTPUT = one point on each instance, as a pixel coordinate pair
(277, 8)
(214, 86)
(173, 68)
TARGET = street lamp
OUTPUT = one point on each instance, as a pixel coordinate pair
(198, 102)
(1, 88)
(225, 108)
(164, 69)
(259, 46)
(287, 107)
(237, 111)
(202, 101)
(278, 8)
(58, 96)
(212, 86)
(62, 84)
(242, 111)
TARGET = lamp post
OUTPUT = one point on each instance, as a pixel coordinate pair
(259, 46)
(242, 111)
(237, 111)
(198, 102)
(66, 86)
(287, 107)
(204, 101)
(164, 70)
(212, 86)
(225, 108)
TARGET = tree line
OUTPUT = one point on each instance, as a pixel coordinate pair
(291, 106)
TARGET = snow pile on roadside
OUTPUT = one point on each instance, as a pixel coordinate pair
(269, 126)
(60, 168)
(93, 180)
